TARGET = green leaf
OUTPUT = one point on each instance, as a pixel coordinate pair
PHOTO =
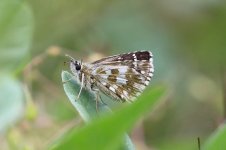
(217, 140)
(106, 133)
(16, 25)
(11, 101)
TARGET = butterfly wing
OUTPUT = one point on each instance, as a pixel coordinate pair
(124, 76)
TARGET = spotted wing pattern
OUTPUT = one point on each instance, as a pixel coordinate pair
(124, 76)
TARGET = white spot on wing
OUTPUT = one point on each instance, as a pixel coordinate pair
(152, 69)
(134, 57)
(139, 86)
(135, 64)
(146, 82)
(104, 83)
(112, 89)
(125, 93)
(121, 80)
(122, 76)
(122, 70)
(151, 60)
(108, 71)
(104, 76)
(150, 74)
(142, 72)
(114, 86)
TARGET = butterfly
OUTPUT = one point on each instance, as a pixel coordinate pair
(122, 77)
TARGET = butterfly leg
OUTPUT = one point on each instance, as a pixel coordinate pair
(67, 80)
(102, 101)
(97, 99)
(97, 94)
(82, 83)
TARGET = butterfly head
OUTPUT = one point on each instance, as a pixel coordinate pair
(75, 65)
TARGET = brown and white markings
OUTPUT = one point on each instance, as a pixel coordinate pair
(122, 77)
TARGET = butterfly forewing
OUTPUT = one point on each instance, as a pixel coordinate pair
(124, 76)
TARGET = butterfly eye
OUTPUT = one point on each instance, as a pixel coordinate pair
(78, 67)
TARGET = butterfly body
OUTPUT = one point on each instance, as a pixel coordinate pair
(122, 77)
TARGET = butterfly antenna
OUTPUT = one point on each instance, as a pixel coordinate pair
(81, 62)
(69, 56)
(66, 62)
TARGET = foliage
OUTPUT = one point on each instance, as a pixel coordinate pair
(217, 140)
(16, 27)
(106, 132)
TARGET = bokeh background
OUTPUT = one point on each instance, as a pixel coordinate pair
(188, 41)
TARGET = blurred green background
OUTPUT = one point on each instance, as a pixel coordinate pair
(188, 41)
